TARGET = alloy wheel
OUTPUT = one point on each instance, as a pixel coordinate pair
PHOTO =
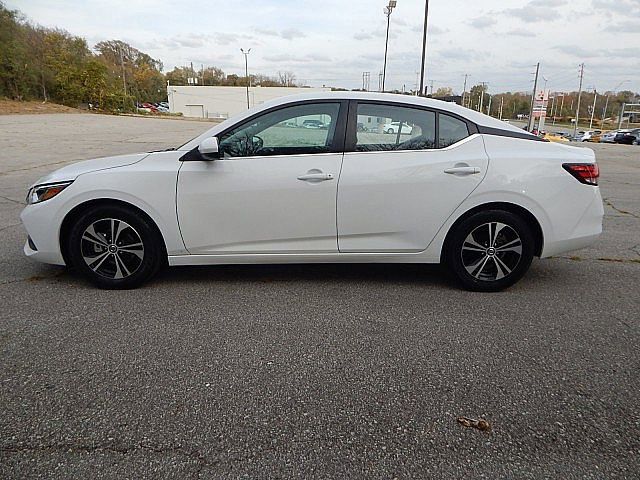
(491, 251)
(112, 248)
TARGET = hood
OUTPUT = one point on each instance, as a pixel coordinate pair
(73, 171)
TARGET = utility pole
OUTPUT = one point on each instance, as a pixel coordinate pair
(604, 113)
(431, 88)
(489, 108)
(575, 127)
(561, 109)
(424, 45)
(606, 105)
(464, 89)
(533, 99)
(387, 11)
(501, 105)
(482, 97)
(593, 109)
(246, 72)
(124, 80)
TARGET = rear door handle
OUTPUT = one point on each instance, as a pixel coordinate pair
(466, 170)
(316, 177)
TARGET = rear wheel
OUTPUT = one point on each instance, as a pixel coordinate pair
(490, 251)
(115, 248)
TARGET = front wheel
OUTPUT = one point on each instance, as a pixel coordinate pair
(115, 248)
(490, 250)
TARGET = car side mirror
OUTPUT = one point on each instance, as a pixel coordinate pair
(209, 148)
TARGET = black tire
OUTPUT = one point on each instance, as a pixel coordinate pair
(127, 267)
(498, 265)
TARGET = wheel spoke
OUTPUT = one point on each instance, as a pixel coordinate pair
(120, 266)
(517, 248)
(131, 245)
(474, 269)
(91, 235)
(502, 268)
(91, 261)
(497, 229)
(509, 245)
(473, 249)
(112, 238)
(138, 253)
(120, 227)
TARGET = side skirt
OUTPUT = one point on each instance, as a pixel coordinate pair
(177, 260)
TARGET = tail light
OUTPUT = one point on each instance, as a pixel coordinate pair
(587, 173)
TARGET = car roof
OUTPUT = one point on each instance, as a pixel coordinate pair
(475, 117)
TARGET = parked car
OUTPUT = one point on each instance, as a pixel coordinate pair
(150, 106)
(393, 127)
(629, 137)
(595, 136)
(609, 137)
(555, 137)
(482, 197)
(583, 136)
(312, 124)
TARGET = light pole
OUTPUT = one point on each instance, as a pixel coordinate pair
(606, 105)
(246, 72)
(387, 11)
(424, 50)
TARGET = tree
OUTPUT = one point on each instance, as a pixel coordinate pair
(287, 79)
(443, 92)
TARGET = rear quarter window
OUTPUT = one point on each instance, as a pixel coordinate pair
(451, 130)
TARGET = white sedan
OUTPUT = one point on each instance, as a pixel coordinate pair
(394, 127)
(481, 196)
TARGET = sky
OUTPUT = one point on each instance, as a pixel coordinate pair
(332, 42)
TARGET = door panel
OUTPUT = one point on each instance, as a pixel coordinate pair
(396, 201)
(258, 204)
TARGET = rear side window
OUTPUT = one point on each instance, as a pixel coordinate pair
(389, 127)
(451, 130)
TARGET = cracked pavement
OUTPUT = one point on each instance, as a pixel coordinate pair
(324, 371)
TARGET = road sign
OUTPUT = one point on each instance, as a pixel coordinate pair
(540, 104)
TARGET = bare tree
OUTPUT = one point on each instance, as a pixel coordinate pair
(287, 79)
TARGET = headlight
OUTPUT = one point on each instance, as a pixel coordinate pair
(40, 193)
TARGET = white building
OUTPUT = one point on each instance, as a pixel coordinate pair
(224, 102)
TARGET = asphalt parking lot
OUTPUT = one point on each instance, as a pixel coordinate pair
(345, 371)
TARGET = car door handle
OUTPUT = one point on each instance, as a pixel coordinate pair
(316, 177)
(466, 170)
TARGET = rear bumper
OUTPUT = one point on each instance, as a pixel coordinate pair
(583, 233)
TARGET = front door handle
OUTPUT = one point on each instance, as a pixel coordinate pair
(462, 170)
(315, 176)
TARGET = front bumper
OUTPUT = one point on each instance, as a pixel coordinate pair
(43, 229)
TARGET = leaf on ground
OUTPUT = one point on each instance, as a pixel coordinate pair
(480, 424)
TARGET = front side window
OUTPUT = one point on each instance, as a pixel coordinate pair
(300, 129)
(390, 127)
(451, 130)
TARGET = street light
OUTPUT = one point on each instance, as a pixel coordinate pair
(424, 49)
(246, 71)
(387, 11)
